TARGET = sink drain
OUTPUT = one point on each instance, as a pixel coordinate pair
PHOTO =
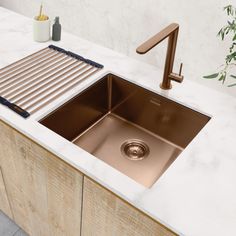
(135, 149)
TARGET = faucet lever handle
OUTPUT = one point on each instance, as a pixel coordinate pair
(177, 77)
(180, 69)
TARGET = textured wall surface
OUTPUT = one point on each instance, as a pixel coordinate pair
(123, 24)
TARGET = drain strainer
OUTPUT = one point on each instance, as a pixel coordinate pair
(135, 149)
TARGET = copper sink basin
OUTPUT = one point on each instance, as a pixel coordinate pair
(136, 131)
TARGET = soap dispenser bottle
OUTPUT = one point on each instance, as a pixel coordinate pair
(56, 30)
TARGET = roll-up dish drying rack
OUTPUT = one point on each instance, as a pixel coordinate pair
(29, 84)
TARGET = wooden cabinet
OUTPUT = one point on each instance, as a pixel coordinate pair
(46, 197)
(107, 215)
(45, 193)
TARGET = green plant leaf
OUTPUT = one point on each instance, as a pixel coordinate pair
(211, 76)
(228, 30)
(222, 35)
(222, 77)
(232, 85)
(234, 38)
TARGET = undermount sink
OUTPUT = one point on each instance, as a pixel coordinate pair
(136, 131)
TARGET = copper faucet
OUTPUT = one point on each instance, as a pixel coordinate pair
(170, 32)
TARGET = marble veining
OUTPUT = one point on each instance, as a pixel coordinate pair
(196, 195)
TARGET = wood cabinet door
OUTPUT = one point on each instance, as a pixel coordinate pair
(45, 193)
(107, 215)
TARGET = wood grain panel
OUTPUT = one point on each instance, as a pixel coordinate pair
(107, 215)
(46, 196)
(45, 193)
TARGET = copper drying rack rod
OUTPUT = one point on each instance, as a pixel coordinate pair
(32, 111)
(22, 86)
(18, 63)
(39, 80)
(45, 89)
(28, 76)
(32, 71)
(25, 67)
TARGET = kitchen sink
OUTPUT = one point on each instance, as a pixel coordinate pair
(136, 131)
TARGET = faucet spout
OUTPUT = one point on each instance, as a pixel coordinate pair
(170, 32)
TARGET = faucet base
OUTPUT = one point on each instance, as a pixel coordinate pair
(165, 87)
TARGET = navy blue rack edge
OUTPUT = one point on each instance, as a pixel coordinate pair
(14, 107)
(76, 56)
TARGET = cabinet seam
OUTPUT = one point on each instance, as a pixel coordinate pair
(82, 200)
(3, 179)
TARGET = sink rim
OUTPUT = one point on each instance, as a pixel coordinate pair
(128, 79)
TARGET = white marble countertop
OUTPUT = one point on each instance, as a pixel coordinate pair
(196, 196)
